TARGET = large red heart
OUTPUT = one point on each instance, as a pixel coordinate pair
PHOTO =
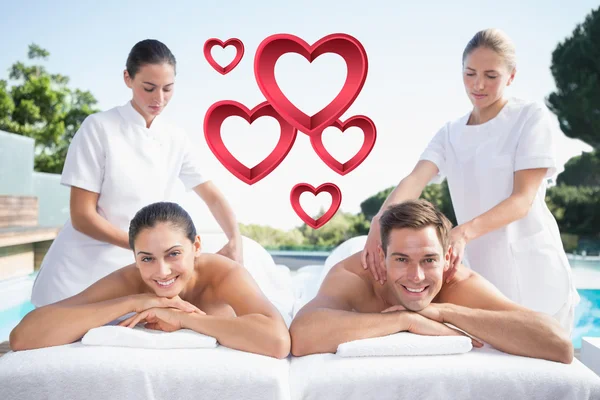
(336, 200)
(370, 134)
(239, 47)
(220, 111)
(273, 47)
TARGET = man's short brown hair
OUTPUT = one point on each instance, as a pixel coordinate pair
(414, 214)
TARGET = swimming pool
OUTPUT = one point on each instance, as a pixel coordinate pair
(15, 304)
(587, 316)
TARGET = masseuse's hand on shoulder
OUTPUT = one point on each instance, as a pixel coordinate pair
(233, 251)
(370, 255)
(225, 217)
(457, 243)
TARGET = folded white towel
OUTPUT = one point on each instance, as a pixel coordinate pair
(120, 336)
(405, 344)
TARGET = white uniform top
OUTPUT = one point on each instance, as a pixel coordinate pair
(524, 259)
(130, 166)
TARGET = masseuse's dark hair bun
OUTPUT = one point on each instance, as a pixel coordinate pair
(155, 213)
(148, 51)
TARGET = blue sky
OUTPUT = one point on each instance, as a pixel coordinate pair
(413, 87)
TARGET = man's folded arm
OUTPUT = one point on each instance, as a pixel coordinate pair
(329, 320)
(476, 306)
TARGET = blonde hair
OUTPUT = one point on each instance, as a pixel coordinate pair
(496, 40)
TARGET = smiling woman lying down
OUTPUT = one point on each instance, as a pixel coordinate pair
(171, 286)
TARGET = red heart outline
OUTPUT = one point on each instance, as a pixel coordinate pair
(336, 200)
(239, 47)
(346, 46)
(370, 135)
(220, 111)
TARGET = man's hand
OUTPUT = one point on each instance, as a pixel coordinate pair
(434, 311)
(422, 325)
(430, 322)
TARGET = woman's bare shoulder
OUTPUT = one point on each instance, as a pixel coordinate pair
(132, 278)
(214, 267)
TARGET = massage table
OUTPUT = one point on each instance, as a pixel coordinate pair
(482, 373)
(479, 374)
(76, 371)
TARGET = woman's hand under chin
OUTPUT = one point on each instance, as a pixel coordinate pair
(147, 301)
(161, 319)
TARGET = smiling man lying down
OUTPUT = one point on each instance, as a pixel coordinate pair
(351, 305)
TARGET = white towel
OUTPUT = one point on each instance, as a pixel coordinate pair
(76, 371)
(138, 337)
(405, 344)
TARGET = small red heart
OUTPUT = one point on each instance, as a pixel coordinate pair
(220, 111)
(336, 200)
(346, 46)
(239, 47)
(370, 134)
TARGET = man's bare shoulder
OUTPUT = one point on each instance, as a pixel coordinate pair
(469, 289)
(130, 277)
(351, 269)
(448, 292)
(348, 279)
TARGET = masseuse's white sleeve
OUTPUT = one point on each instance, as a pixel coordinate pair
(191, 171)
(436, 153)
(536, 146)
(84, 164)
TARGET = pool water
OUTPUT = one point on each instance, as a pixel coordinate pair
(587, 316)
(10, 318)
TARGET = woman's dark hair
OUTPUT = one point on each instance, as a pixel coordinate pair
(155, 213)
(148, 51)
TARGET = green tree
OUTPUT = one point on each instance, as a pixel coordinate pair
(341, 227)
(574, 202)
(437, 194)
(371, 206)
(583, 170)
(272, 238)
(40, 105)
(576, 101)
(576, 71)
(576, 209)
